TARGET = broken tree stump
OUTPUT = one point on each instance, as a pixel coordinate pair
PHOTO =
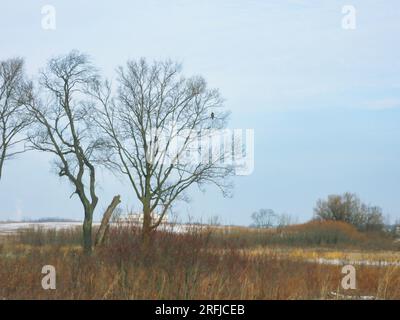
(106, 220)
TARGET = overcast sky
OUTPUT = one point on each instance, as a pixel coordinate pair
(324, 101)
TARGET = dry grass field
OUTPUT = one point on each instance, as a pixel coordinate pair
(201, 263)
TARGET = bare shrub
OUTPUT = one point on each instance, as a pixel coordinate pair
(349, 208)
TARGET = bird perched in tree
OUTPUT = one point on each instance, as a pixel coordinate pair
(212, 116)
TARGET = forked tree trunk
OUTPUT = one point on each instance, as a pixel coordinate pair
(100, 236)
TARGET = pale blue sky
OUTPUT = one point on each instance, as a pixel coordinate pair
(324, 102)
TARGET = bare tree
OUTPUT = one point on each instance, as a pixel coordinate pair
(13, 119)
(264, 218)
(284, 220)
(349, 208)
(155, 120)
(61, 128)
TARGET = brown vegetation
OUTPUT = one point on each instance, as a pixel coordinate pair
(198, 264)
(334, 234)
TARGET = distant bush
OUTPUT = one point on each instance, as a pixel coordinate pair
(264, 218)
(349, 208)
(267, 218)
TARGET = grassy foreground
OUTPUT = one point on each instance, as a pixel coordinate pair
(202, 263)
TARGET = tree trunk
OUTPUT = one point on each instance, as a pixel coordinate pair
(106, 219)
(146, 230)
(87, 231)
(2, 159)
